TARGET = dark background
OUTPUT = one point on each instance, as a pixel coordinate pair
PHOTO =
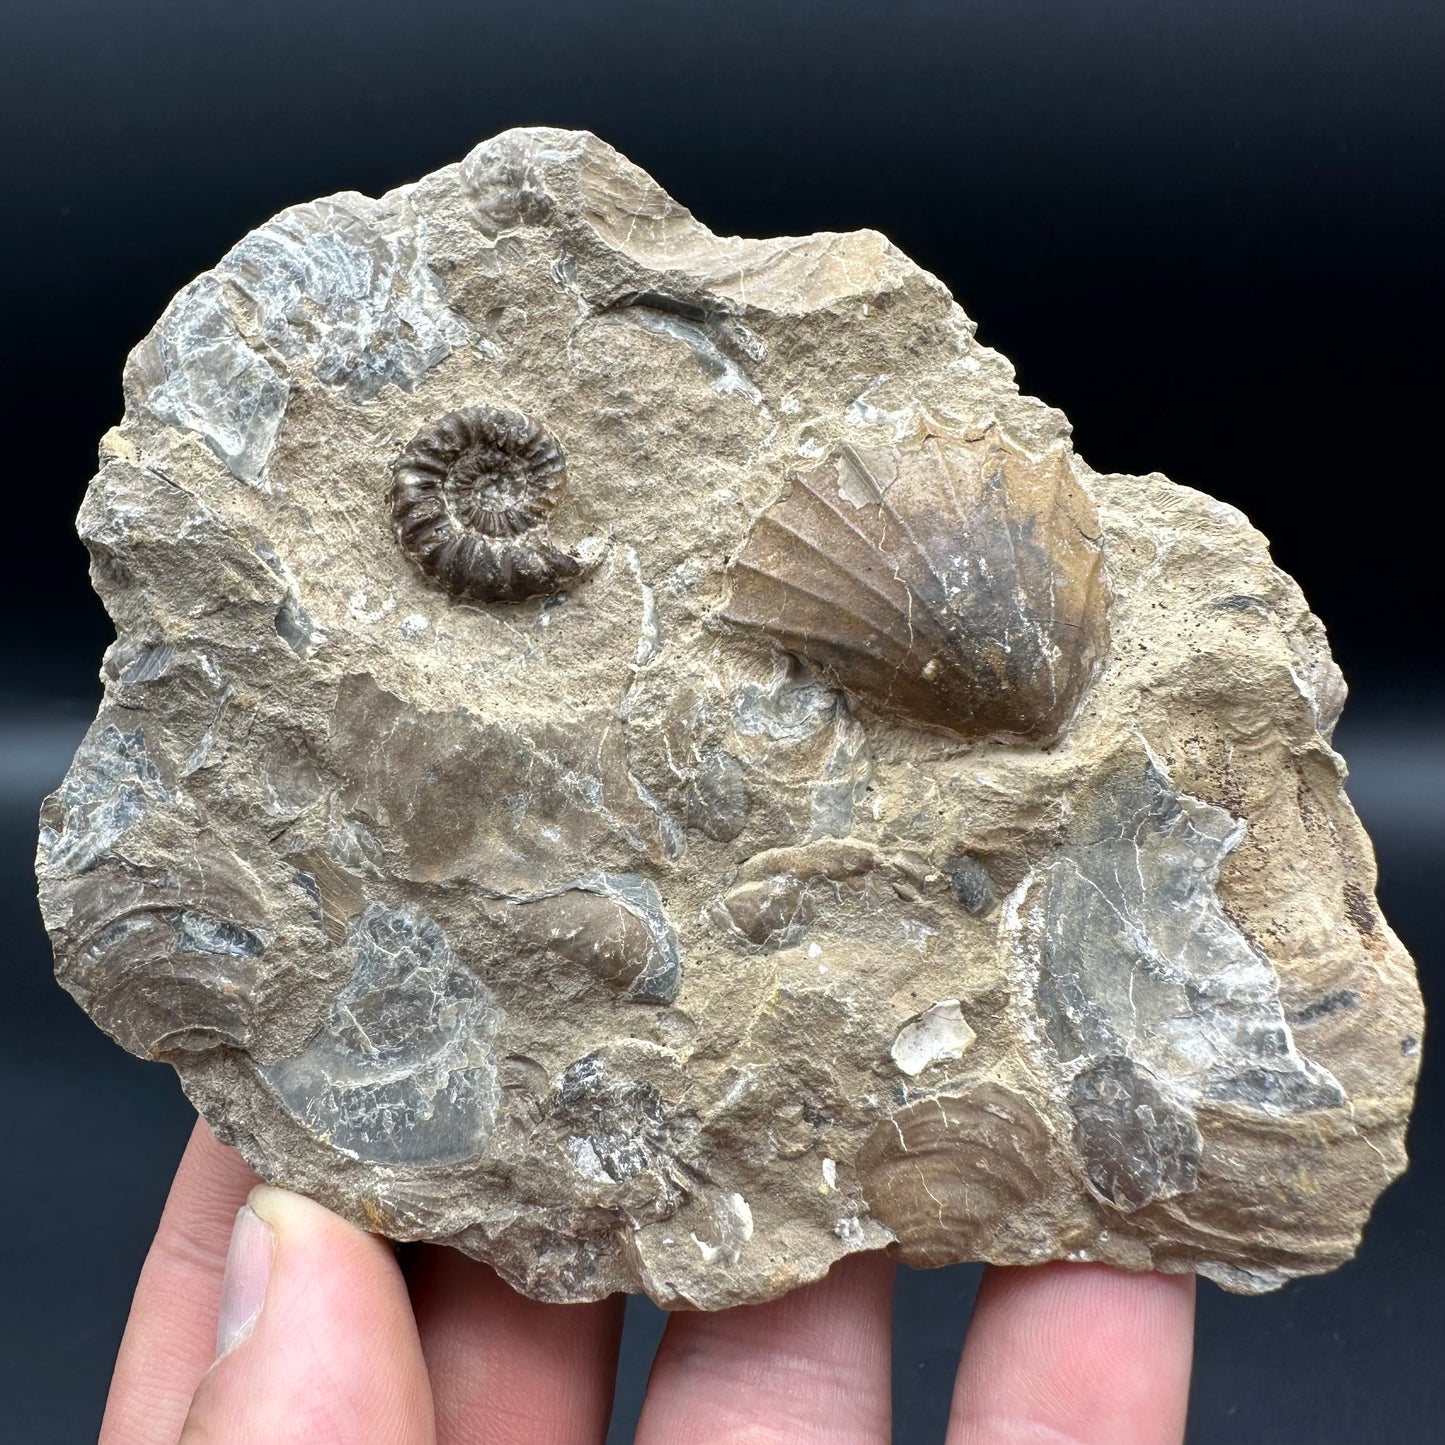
(1211, 233)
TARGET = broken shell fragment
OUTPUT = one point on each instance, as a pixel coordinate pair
(939, 1032)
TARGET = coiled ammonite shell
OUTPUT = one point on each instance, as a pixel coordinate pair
(470, 502)
(952, 582)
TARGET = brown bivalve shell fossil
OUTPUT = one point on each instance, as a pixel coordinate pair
(946, 1174)
(953, 582)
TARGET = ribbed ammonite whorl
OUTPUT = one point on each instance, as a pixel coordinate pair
(470, 502)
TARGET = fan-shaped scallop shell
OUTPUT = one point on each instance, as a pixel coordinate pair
(956, 583)
(470, 501)
(947, 1174)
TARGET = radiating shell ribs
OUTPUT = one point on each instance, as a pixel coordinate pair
(949, 582)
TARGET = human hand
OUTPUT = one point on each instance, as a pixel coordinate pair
(325, 1339)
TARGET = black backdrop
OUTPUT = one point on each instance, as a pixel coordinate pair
(1210, 232)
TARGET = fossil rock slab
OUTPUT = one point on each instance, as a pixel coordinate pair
(640, 755)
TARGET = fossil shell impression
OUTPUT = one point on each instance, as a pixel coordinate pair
(470, 504)
(950, 582)
(944, 1174)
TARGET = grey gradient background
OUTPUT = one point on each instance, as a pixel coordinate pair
(1211, 233)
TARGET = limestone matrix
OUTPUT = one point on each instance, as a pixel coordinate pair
(642, 756)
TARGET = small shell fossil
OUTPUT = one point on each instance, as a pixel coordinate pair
(971, 883)
(770, 912)
(470, 501)
(612, 925)
(951, 582)
(1137, 1143)
(168, 979)
(773, 899)
(946, 1173)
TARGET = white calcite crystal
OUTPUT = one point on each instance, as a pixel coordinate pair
(640, 755)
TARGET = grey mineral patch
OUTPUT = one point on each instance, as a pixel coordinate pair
(294, 625)
(340, 286)
(199, 933)
(641, 755)
(972, 885)
(724, 374)
(203, 376)
(1137, 959)
(405, 1069)
(1138, 1144)
(110, 785)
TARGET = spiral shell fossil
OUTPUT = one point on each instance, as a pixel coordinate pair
(470, 502)
(951, 582)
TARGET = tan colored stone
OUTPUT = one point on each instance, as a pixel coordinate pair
(998, 897)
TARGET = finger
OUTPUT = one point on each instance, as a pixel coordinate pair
(170, 1338)
(1075, 1353)
(812, 1366)
(506, 1370)
(315, 1337)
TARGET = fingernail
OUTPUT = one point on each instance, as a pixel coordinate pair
(248, 1268)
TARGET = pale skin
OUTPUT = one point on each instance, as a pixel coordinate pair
(329, 1339)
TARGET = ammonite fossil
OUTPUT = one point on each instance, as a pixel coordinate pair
(470, 502)
(957, 583)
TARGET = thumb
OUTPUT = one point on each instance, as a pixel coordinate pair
(316, 1342)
